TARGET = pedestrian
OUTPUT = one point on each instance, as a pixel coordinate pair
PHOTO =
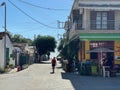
(53, 64)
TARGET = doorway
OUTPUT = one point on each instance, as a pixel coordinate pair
(110, 57)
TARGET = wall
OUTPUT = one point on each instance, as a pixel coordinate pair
(117, 54)
(10, 46)
(86, 19)
(2, 54)
(117, 18)
(87, 48)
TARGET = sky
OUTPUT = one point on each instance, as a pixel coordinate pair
(46, 12)
(35, 17)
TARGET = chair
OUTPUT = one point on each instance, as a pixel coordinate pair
(106, 71)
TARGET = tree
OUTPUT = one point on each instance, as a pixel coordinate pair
(61, 44)
(45, 44)
(48, 54)
(20, 39)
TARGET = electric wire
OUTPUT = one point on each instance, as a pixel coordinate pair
(31, 16)
(55, 9)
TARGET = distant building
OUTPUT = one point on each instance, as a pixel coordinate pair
(28, 51)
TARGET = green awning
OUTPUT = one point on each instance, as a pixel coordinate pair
(99, 36)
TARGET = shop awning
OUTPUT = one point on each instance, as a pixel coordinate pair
(99, 36)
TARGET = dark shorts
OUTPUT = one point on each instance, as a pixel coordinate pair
(53, 65)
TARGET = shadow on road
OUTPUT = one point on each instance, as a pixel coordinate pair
(75, 79)
(92, 82)
(59, 67)
(44, 62)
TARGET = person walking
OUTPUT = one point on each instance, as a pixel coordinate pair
(53, 64)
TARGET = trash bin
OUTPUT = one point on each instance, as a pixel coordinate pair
(94, 69)
(85, 68)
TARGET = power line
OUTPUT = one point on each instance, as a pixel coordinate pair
(31, 16)
(42, 7)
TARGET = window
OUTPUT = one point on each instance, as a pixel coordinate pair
(102, 20)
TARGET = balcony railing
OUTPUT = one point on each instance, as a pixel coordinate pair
(102, 25)
(93, 25)
(77, 26)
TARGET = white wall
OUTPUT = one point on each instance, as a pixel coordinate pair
(2, 54)
(10, 46)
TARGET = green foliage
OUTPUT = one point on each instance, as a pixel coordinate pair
(10, 33)
(48, 54)
(45, 44)
(61, 44)
(2, 70)
(19, 38)
(69, 50)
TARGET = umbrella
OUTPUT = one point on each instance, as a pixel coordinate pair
(101, 49)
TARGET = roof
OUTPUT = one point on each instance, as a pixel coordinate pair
(106, 5)
(2, 34)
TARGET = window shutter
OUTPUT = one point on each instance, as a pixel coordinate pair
(93, 20)
(111, 20)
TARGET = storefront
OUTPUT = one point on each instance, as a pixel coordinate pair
(91, 41)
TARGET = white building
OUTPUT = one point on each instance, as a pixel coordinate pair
(16, 55)
(9, 49)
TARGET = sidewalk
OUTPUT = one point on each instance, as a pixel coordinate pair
(13, 70)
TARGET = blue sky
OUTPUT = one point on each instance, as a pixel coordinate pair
(18, 23)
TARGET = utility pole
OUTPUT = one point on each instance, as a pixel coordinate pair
(4, 4)
(61, 24)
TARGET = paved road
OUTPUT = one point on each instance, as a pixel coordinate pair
(39, 77)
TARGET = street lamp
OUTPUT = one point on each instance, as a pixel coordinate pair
(4, 4)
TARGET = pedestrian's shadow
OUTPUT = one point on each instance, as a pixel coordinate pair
(51, 72)
(59, 67)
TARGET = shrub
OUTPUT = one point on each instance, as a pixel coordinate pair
(2, 70)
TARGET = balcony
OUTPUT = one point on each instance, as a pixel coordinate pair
(90, 27)
(96, 25)
(77, 26)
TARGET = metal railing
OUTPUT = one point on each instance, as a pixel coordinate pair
(92, 25)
